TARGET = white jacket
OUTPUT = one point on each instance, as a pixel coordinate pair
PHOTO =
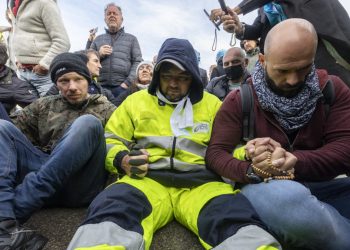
(39, 33)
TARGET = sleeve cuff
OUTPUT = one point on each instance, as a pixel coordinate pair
(128, 82)
(241, 35)
(117, 162)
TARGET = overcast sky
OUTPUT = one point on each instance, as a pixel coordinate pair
(151, 22)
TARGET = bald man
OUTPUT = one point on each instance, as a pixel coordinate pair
(235, 67)
(289, 170)
(333, 50)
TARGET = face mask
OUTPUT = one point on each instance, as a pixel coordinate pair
(280, 92)
(234, 72)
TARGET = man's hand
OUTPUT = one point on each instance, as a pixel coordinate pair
(135, 164)
(278, 162)
(216, 14)
(267, 144)
(269, 158)
(105, 50)
(91, 37)
(40, 70)
(231, 23)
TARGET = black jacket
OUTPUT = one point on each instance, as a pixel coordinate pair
(330, 20)
(14, 91)
(121, 65)
(218, 86)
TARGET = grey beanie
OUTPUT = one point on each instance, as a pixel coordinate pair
(143, 63)
(69, 62)
(3, 54)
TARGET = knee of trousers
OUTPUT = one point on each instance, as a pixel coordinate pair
(88, 123)
(121, 204)
(223, 216)
(7, 127)
(279, 195)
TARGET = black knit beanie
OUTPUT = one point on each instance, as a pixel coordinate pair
(69, 62)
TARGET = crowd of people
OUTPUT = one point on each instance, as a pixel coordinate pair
(173, 140)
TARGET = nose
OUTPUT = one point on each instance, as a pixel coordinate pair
(99, 65)
(72, 85)
(293, 78)
(173, 82)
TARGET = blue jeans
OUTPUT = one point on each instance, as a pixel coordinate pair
(3, 113)
(303, 217)
(72, 175)
(42, 83)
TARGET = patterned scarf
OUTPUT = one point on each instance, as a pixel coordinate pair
(291, 113)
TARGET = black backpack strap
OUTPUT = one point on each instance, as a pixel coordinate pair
(248, 112)
(328, 96)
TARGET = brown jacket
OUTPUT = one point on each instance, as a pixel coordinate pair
(45, 120)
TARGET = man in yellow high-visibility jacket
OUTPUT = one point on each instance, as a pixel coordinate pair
(157, 140)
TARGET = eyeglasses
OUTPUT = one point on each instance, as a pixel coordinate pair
(168, 77)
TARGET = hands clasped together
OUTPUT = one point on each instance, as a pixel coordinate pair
(135, 164)
(270, 160)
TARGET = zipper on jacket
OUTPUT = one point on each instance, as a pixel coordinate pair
(110, 64)
(172, 154)
(117, 35)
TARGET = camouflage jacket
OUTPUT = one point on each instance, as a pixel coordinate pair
(45, 120)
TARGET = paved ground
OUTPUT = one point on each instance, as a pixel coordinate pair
(59, 225)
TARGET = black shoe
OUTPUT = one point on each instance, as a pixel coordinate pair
(14, 237)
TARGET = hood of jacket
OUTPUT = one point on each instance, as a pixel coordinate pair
(181, 51)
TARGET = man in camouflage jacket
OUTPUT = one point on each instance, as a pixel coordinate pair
(56, 153)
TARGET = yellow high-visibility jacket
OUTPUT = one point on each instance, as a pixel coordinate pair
(145, 120)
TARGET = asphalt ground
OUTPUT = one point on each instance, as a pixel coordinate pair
(60, 224)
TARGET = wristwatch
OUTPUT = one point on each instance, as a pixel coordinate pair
(253, 177)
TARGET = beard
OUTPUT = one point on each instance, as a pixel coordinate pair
(288, 92)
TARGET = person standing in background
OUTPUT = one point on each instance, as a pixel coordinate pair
(252, 52)
(120, 52)
(235, 67)
(218, 70)
(202, 72)
(38, 36)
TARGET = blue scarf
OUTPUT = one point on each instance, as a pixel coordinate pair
(274, 13)
(291, 113)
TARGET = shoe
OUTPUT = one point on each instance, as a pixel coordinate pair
(14, 237)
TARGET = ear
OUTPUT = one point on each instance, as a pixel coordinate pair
(261, 59)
